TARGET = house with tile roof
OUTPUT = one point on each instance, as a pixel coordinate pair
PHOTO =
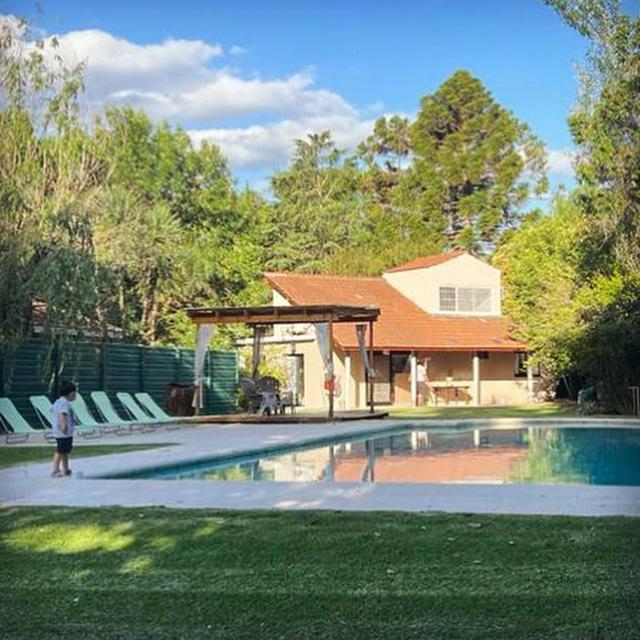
(440, 337)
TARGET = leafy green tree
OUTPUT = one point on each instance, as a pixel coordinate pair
(48, 174)
(386, 154)
(144, 243)
(606, 125)
(540, 265)
(319, 205)
(475, 166)
(160, 164)
(190, 238)
(606, 128)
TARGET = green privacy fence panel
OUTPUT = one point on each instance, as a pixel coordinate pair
(186, 363)
(82, 361)
(222, 370)
(36, 367)
(157, 366)
(28, 370)
(122, 368)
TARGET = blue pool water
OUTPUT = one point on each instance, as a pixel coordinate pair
(602, 456)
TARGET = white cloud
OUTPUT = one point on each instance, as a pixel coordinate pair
(176, 80)
(183, 81)
(225, 94)
(560, 162)
(270, 145)
(180, 80)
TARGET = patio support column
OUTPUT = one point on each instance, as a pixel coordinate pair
(333, 378)
(347, 381)
(414, 379)
(371, 399)
(476, 379)
(530, 393)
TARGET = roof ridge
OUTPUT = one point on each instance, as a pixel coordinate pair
(427, 261)
(269, 274)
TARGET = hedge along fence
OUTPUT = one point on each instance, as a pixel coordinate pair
(36, 368)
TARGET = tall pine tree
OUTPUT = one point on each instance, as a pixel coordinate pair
(475, 166)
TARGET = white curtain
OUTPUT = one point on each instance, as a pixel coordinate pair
(258, 333)
(361, 332)
(324, 342)
(205, 333)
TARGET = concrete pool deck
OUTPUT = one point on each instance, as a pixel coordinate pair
(30, 484)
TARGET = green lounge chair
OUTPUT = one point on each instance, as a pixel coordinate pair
(109, 414)
(86, 419)
(18, 429)
(152, 407)
(134, 409)
(42, 406)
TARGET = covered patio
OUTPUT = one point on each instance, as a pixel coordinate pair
(322, 317)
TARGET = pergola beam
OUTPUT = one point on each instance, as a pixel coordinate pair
(306, 314)
(284, 314)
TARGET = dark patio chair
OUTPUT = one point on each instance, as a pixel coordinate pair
(287, 400)
(269, 389)
(254, 398)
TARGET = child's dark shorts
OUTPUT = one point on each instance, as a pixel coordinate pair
(64, 445)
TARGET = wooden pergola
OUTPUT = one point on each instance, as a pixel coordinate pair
(296, 314)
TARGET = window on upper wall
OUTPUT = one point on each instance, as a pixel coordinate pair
(448, 299)
(477, 300)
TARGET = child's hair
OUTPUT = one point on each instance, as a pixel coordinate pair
(67, 387)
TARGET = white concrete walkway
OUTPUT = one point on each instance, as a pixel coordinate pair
(31, 485)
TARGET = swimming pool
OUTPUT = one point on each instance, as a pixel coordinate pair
(540, 454)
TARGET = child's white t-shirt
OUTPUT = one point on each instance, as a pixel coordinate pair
(60, 406)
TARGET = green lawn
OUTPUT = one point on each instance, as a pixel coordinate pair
(543, 410)
(14, 455)
(169, 574)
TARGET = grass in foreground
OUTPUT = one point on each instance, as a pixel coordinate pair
(543, 410)
(155, 573)
(13, 455)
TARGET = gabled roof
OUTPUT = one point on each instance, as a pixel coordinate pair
(424, 262)
(402, 325)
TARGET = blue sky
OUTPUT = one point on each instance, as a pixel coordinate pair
(253, 75)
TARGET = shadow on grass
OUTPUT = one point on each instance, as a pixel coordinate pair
(141, 573)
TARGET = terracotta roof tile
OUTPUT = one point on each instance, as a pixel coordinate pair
(402, 325)
(424, 262)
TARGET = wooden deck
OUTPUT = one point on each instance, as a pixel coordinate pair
(304, 418)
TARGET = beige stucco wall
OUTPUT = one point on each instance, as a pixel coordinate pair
(422, 285)
(498, 385)
(315, 397)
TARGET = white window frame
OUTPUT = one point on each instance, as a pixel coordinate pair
(492, 301)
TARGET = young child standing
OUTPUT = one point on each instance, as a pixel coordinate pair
(64, 422)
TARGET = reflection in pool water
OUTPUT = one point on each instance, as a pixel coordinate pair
(489, 456)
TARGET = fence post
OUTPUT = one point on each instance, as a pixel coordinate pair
(105, 366)
(101, 366)
(56, 361)
(209, 394)
(141, 377)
